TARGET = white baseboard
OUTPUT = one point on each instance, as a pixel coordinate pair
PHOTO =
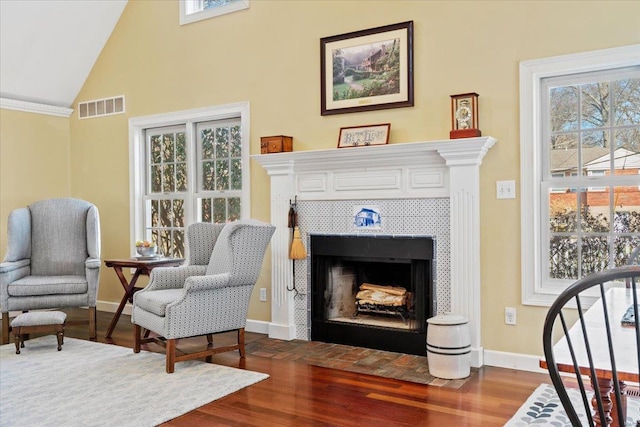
(112, 307)
(257, 326)
(521, 362)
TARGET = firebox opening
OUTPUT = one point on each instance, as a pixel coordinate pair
(374, 292)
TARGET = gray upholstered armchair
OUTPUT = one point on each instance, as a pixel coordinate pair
(52, 259)
(209, 295)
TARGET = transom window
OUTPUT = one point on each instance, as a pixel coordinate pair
(197, 10)
(580, 157)
(194, 169)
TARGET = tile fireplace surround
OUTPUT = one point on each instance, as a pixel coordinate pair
(421, 188)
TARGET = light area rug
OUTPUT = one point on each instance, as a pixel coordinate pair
(543, 407)
(95, 384)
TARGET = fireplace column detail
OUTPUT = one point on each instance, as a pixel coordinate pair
(282, 325)
(464, 189)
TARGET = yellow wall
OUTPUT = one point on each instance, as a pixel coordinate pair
(34, 162)
(269, 55)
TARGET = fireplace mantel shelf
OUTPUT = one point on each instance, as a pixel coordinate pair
(415, 170)
(452, 151)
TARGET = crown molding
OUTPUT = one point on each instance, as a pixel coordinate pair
(34, 107)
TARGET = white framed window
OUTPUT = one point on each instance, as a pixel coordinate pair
(185, 167)
(579, 114)
(197, 10)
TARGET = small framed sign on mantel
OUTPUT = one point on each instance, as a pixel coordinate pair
(358, 136)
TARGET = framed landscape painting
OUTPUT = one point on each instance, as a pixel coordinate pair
(367, 70)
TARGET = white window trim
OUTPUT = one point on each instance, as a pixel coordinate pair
(534, 290)
(137, 165)
(188, 18)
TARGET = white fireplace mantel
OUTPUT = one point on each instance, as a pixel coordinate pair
(447, 168)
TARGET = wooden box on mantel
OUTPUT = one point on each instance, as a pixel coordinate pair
(276, 144)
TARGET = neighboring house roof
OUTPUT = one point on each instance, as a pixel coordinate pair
(623, 159)
(567, 159)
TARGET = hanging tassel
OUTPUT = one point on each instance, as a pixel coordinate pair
(298, 250)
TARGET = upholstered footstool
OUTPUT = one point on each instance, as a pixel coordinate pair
(40, 321)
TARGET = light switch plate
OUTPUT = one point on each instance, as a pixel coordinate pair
(506, 189)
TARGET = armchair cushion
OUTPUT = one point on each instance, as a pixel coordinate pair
(47, 285)
(156, 302)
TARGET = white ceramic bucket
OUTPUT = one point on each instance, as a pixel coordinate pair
(449, 346)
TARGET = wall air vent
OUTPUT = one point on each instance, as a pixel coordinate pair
(101, 107)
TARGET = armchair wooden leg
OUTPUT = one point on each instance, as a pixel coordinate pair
(171, 355)
(241, 342)
(209, 359)
(5, 328)
(136, 338)
(93, 334)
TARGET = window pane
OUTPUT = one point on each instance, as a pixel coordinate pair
(222, 175)
(178, 213)
(595, 105)
(623, 247)
(155, 213)
(222, 142)
(594, 211)
(235, 143)
(181, 148)
(209, 4)
(178, 244)
(155, 149)
(168, 184)
(563, 108)
(168, 147)
(626, 210)
(236, 174)
(563, 154)
(219, 210)
(205, 214)
(595, 254)
(164, 242)
(626, 101)
(563, 259)
(165, 213)
(563, 211)
(156, 179)
(207, 144)
(181, 177)
(595, 139)
(208, 182)
(234, 208)
(627, 154)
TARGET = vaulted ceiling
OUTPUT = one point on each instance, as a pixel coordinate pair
(48, 48)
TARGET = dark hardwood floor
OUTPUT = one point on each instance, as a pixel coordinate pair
(298, 394)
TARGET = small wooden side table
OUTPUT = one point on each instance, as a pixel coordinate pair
(143, 267)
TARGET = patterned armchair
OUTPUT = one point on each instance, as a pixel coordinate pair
(209, 295)
(52, 259)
